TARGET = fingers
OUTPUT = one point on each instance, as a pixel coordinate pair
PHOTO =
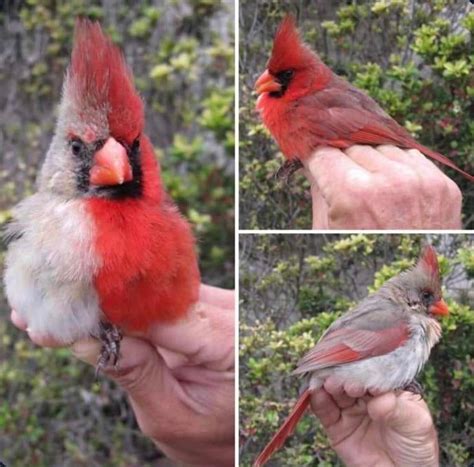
(319, 208)
(45, 341)
(324, 407)
(381, 407)
(18, 321)
(145, 377)
(328, 165)
(400, 411)
(87, 350)
(217, 297)
(205, 337)
(139, 369)
(336, 388)
(384, 187)
(371, 159)
(38, 339)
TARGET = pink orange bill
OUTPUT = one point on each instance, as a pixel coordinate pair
(440, 308)
(267, 83)
(110, 165)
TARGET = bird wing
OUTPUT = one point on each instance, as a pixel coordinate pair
(349, 116)
(367, 331)
(341, 117)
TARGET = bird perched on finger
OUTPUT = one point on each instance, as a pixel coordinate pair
(380, 345)
(100, 248)
(305, 105)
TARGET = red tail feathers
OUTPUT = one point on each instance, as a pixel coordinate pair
(285, 430)
(440, 158)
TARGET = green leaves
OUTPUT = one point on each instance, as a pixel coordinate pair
(143, 25)
(414, 58)
(309, 283)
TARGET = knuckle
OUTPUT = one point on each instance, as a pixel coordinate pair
(410, 182)
(346, 203)
(455, 192)
(425, 422)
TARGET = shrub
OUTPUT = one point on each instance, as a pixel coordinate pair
(294, 286)
(414, 58)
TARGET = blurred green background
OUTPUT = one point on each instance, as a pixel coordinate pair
(292, 287)
(415, 58)
(52, 411)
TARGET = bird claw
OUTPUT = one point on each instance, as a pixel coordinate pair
(110, 336)
(286, 171)
(415, 388)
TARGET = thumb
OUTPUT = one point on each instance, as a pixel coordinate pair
(155, 395)
(404, 412)
(140, 370)
(383, 408)
(320, 209)
(204, 337)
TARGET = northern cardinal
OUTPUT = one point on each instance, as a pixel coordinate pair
(381, 344)
(99, 248)
(305, 105)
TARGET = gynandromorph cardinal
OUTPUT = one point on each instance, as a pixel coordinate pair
(100, 247)
(305, 105)
(381, 344)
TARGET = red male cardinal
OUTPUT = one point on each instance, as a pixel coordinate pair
(305, 105)
(100, 246)
(381, 344)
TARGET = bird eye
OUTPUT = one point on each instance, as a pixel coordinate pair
(76, 146)
(285, 76)
(427, 296)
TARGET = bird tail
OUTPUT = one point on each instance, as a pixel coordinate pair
(285, 430)
(440, 158)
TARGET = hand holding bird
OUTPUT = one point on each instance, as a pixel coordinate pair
(384, 187)
(100, 248)
(378, 346)
(179, 377)
(305, 105)
(392, 428)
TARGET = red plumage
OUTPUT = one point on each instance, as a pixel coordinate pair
(149, 271)
(286, 429)
(99, 76)
(105, 245)
(381, 344)
(429, 261)
(305, 105)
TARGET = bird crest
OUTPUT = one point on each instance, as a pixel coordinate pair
(289, 51)
(98, 79)
(428, 263)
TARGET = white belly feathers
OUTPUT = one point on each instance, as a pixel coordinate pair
(50, 268)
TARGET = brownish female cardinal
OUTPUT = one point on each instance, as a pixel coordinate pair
(100, 247)
(305, 105)
(380, 345)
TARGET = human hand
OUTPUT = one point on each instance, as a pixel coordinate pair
(180, 380)
(385, 187)
(394, 428)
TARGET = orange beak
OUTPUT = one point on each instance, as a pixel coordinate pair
(439, 308)
(267, 83)
(110, 165)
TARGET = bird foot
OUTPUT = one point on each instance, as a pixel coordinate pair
(414, 387)
(110, 336)
(286, 171)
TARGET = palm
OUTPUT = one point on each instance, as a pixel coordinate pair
(394, 428)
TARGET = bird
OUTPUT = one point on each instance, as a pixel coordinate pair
(99, 249)
(305, 105)
(381, 344)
